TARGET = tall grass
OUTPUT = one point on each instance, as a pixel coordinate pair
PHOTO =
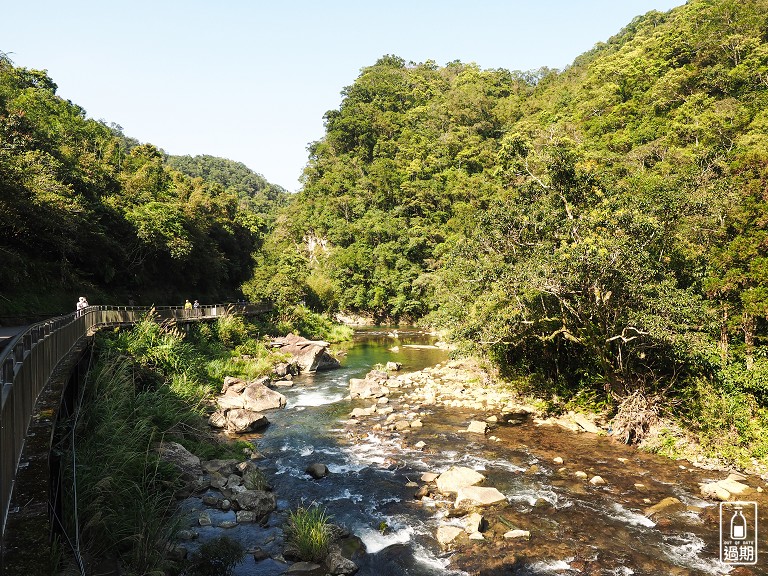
(124, 501)
(149, 384)
(308, 530)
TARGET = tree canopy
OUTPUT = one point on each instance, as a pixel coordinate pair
(603, 225)
(85, 209)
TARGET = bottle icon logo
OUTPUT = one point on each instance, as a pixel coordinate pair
(738, 525)
(738, 533)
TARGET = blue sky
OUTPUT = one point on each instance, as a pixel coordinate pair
(251, 80)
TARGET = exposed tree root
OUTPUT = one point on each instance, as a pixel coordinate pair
(636, 415)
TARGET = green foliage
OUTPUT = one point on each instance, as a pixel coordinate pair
(301, 320)
(124, 495)
(217, 557)
(83, 208)
(308, 530)
(231, 330)
(151, 384)
(729, 425)
(254, 479)
(600, 227)
(253, 190)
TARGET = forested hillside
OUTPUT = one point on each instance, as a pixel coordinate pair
(86, 210)
(602, 227)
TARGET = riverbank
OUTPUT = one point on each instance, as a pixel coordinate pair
(413, 408)
(465, 384)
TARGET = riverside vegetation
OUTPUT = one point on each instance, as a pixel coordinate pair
(597, 235)
(148, 385)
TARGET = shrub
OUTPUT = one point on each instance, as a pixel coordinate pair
(312, 325)
(231, 330)
(217, 557)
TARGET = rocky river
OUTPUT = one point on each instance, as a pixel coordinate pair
(573, 502)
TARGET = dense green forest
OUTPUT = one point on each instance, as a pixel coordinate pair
(86, 210)
(598, 233)
(602, 228)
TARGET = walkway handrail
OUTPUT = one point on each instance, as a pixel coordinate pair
(30, 358)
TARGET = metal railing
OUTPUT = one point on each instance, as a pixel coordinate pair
(30, 358)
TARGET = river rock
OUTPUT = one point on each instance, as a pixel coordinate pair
(240, 421)
(225, 467)
(478, 496)
(305, 569)
(337, 564)
(477, 427)
(309, 355)
(237, 385)
(584, 423)
(724, 490)
(401, 425)
(259, 397)
(317, 470)
(518, 534)
(597, 481)
(447, 534)
(669, 505)
(372, 386)
(246, 516)
(256, 396)
(734, 486)
(475, 523)
(182, 459)
(714, 491)
(284, 369)
(393, 366)
(457, 477)
(259, 502)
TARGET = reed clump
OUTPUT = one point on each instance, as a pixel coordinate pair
(308, 532)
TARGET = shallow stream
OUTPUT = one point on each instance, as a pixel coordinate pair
(576, 528)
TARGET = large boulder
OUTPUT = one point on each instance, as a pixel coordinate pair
(240, 421)
(259, 397)
(457, 477)
(256, 396)
(259, 502)
(182, 459)
(309, 355)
